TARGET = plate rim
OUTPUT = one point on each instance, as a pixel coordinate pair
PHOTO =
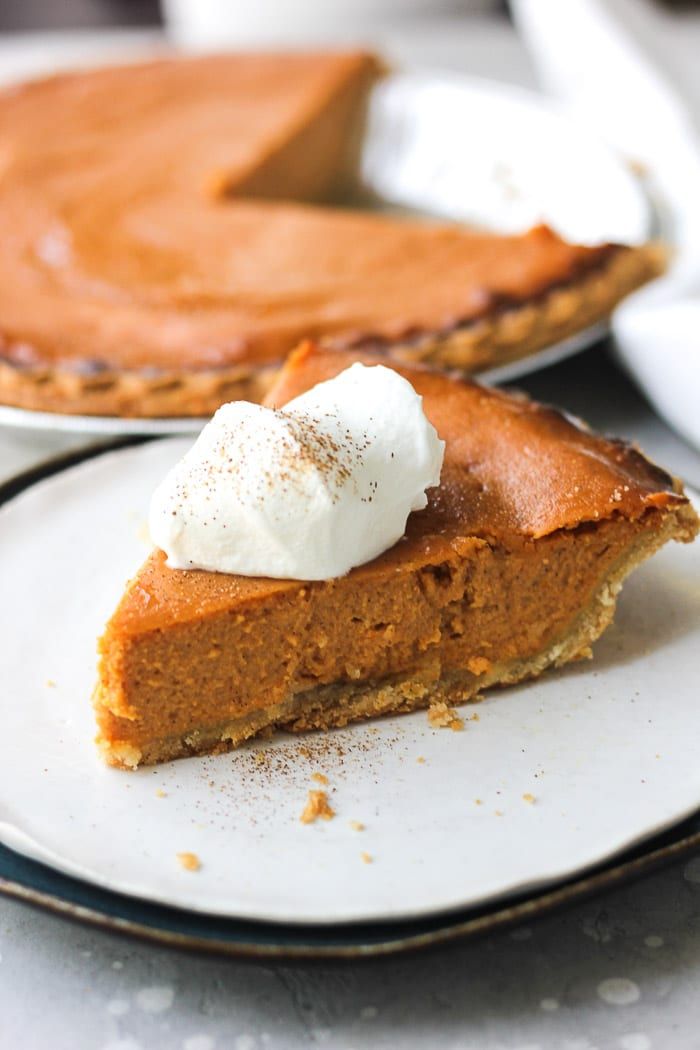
(440, 929)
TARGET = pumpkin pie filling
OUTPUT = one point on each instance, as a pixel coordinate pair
(513, 566)
(165, 252)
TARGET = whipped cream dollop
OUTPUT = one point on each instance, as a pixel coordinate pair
(304, 492)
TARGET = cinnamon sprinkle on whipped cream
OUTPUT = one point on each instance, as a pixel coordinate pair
(305, 492)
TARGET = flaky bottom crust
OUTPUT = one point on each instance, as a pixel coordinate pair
(506, 334)
(336, 705)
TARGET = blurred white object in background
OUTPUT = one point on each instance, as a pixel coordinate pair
(659, 345)
(496, 157)
(586, 59)
(209, 24)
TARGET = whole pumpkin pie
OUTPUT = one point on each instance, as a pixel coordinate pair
(168, 238)
(513, 567)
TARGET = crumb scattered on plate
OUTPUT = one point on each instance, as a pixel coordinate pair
(366, 858)
(260, 758)
(189, 861)
(441, 716)
(319, 778)
(161, 794)
(527, 797)
(357, 825)
(50, 683)
(420, 759)
(477, 802)
(317, 806)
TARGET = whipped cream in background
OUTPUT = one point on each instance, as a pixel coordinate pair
(305, 492)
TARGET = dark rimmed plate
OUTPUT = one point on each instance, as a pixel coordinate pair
(33, 883)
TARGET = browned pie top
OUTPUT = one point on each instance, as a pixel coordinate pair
(140, 229)
(514, 471)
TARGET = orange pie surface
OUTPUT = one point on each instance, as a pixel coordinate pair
(171, 240)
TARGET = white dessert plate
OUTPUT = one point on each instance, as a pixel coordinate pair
(607, 750)
(531, 164)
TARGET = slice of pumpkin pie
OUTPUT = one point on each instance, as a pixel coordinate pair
(510, 564)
